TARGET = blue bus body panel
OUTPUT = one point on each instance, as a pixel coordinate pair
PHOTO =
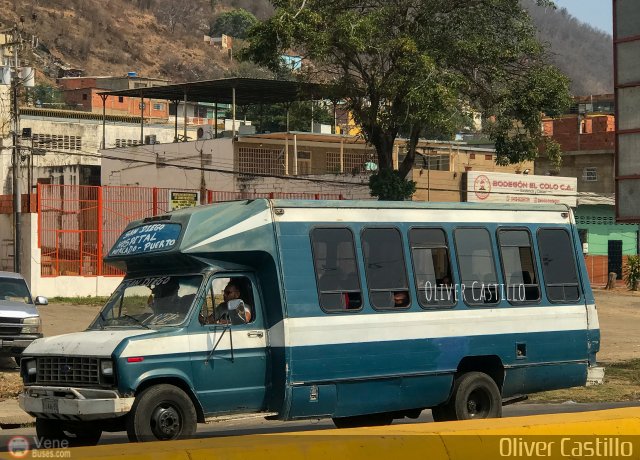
(368, 361)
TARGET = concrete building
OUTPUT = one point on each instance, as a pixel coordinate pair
(588, 153)
(299, 163)
(588, 147)
(69, 143)
(82, 93)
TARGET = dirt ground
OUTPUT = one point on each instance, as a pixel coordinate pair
(618, 312)
(619, 316)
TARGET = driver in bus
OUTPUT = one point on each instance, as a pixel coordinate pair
(222, 315)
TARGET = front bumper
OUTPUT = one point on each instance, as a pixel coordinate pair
(66, 403)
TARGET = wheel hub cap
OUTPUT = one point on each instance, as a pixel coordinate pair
(167, 422)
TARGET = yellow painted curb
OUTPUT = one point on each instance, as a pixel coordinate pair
(551, 436)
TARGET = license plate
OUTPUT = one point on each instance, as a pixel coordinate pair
(50, 406)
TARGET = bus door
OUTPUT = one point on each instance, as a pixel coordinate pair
(229, 356)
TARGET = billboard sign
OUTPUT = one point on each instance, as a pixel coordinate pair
(492, 187)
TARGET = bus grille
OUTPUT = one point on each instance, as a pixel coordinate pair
(54, 370)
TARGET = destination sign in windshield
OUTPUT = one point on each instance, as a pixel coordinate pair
(146, 238)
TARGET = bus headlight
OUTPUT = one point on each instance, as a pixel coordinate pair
(106, 368)
(28, 370)
(31, 367)
(31, 325)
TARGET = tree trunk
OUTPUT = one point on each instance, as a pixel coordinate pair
(611, 283)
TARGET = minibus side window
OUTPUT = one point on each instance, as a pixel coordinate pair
(385, 268)
(432, 267)
(478, 277)
(558, 265)
(334, 261)
(518, 266)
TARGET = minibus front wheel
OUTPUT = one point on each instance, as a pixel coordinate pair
(160, 413)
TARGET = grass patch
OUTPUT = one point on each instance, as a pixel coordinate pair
(621, 383)
(92, 301)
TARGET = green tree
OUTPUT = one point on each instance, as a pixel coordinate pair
(414, 67)
(44, 95)
(235, 23)
(273, 117)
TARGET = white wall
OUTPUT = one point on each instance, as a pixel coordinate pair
(216, 157)
(61, 286)
(355, 188)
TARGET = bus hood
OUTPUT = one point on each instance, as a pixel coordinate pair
(86, 343)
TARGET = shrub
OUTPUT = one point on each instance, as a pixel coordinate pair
(632, 272)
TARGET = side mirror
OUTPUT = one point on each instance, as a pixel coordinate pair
(237, 311)
(41, 300)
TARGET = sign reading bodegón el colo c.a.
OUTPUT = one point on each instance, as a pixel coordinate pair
(492, 187)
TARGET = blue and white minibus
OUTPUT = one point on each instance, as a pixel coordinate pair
(362, 311)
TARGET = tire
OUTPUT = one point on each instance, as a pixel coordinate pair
(160, 413)
(476, 396)
(75, 434)
(363, 420)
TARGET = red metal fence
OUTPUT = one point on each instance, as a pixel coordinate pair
(77, 225)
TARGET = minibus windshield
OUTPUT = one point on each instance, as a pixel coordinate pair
(149, 302)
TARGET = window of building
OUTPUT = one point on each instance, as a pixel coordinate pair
(351, 161)
(57, 142)
(590, 174)
(158, 106)
(433, 162)
(385, 268)
(432, 267)
(558, 265)
(334, 261)
(260, 161)
(472, 156)
(477, 266)
(488, 157)
(121, 99)
(304, 163)
(85, 96)
(518, 266)
(127, 142)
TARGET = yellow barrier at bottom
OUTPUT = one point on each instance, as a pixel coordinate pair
(601, 434)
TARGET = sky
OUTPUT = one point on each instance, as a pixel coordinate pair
(597, 13)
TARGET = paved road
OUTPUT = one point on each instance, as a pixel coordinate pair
(261, 426)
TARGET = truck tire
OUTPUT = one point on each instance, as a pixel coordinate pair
(475, 395)
(160, 413)
(363, 420)
(75, 434)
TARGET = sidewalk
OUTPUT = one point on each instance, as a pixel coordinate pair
(11, 414)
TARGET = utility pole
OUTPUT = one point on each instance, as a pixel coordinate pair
(16, 157)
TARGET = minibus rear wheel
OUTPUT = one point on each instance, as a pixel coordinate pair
(475, 395)
(160, 413)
